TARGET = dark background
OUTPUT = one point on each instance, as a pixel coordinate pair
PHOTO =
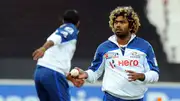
(25, 25)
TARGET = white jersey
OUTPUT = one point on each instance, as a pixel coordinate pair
(58, 57)
(137, 56)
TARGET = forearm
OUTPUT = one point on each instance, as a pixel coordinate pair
(48, 44)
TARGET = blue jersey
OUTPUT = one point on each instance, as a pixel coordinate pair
(137, 55)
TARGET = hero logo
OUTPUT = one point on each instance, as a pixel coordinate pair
(128, 63)
(123, 63)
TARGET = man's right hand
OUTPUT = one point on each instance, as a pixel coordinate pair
(79, 80)
(83, 75)
(38, 53)
(75, 80)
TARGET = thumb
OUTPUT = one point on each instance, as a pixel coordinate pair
(83, 75)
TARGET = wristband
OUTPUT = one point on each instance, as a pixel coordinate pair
(43, 49)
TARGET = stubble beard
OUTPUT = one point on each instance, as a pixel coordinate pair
(122, 36)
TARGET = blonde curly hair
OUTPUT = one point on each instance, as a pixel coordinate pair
(127, 12)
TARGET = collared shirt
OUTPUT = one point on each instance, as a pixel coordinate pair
(137, 55)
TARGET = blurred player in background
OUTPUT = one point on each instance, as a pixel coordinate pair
(163, 15)
(129, 61)
(54, 60)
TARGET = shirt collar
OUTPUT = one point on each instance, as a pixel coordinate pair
(113, 39)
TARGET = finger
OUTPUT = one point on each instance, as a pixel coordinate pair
(74, 77)
(34, 53)
(76, 67)
(39, 55)
(78, 83)
(131, 74)
(68, 74)
(130, 71)
(131, 79)
(82, 82)
(36, 57)
(82, 76)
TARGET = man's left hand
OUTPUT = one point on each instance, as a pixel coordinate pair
(133, 76)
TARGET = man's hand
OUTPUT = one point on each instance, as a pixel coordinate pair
(82, 74)
(38, 53)
(133, 76)
(78, 82)
(75, 80)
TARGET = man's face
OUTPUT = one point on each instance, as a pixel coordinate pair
(121, 26)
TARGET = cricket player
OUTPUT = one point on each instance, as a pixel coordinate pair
(54, 60)
(128, 61)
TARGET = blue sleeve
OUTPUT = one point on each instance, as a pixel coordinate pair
(151, 59)
(67, 34)
(97, 61)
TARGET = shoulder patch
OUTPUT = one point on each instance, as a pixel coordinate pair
(69, 30)
(64, 33)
